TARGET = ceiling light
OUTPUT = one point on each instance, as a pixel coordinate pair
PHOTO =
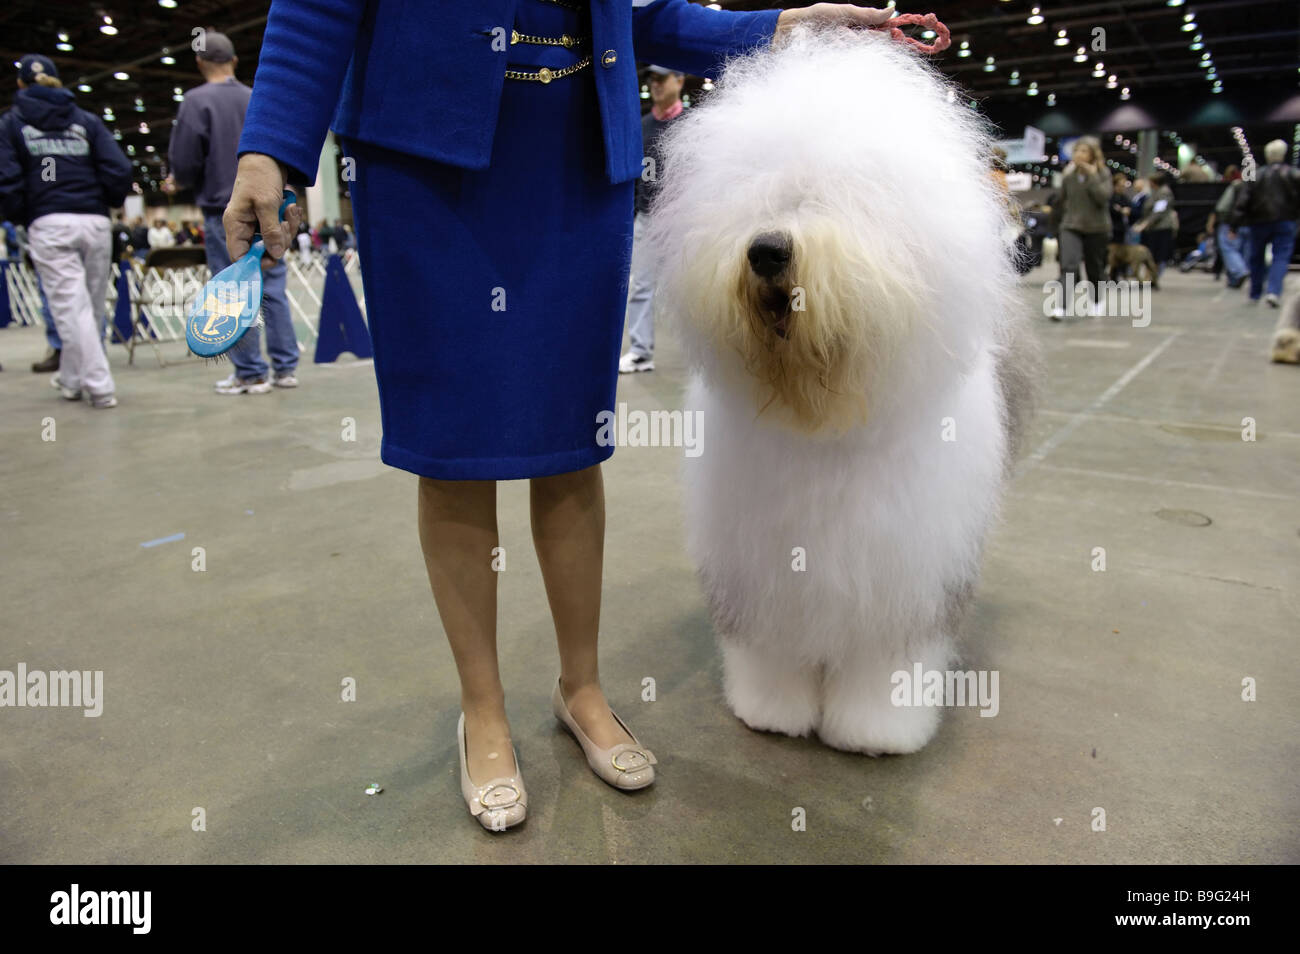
(988, 65)
(1189, 27)
(108, 29)
(964, 50)
(1061, 39)
(119, 75)
(1124, 94)
(927, 34)
(168, 61)
(169, 4)
(63, 37)
(1051, 99)
(1033, 89)
(1174, 3)
(1081, 55)
(1015, 78)
(84, 87)
(65, 47)
(1035, 16)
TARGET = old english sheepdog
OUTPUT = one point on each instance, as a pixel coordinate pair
(831, 245)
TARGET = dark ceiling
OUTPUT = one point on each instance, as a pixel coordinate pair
(1255, 48)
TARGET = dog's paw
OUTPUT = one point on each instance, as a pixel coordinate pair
(874, 726)
(770, 694)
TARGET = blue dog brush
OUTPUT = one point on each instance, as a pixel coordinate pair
(231, 302)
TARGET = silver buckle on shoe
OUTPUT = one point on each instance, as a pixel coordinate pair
(510, 799)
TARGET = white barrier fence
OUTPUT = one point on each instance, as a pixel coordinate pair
(164, 296)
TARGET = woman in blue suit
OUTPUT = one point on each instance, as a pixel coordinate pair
(512, 129)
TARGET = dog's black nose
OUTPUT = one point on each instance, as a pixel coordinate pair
(769, 253)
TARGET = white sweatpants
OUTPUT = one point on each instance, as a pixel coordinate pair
(72, 252)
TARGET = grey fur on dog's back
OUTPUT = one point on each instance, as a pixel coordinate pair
(1019, 371)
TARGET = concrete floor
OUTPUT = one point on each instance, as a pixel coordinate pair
(1119, 690)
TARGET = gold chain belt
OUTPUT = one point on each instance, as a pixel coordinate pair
(546, 74)
(566, 41)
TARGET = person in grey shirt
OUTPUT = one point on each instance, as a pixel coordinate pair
(1085, 220)
(203, 154)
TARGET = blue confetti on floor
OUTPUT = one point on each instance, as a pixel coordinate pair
(172, 539)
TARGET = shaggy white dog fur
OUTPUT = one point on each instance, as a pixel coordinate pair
(829, 241)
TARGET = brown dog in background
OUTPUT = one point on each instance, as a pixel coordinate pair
(1136, 257)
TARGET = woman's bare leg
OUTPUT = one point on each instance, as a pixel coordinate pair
(458, 531)
(568, 515)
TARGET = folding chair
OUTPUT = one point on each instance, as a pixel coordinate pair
(161, 267)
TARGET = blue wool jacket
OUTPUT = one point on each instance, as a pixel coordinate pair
(424, 76)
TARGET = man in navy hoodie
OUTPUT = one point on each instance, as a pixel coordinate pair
(60, 172)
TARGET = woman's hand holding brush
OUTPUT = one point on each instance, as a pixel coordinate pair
(255, 207)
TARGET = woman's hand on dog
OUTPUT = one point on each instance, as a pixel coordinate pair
(830, 14)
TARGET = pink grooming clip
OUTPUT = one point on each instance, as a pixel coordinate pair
(942, 38)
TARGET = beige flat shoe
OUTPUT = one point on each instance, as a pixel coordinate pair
(626, 766)
(499, 804)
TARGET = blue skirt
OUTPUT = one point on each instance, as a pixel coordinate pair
(496, 298)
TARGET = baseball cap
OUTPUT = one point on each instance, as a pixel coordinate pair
(665, 71)
(217, 47)
(33, 64)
